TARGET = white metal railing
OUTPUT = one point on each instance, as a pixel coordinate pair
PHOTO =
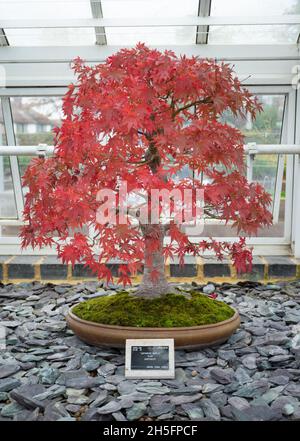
(267, 149)
(250, 149)
(30, 150)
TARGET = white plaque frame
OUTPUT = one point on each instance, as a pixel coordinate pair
(150, 373)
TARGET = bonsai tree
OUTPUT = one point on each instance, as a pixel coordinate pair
(141, 118)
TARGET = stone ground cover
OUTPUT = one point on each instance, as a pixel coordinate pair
(46, 373)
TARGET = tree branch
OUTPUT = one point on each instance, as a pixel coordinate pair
(195, 103)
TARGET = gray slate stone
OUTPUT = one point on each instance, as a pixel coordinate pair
(111, 407)
(136, 411)
(184, 399)
(210, 410)
(208, 388)
(242, 376)
(27, 415)
(160, 405)
(154, 390)
(48, 375)
(288, 410)
(256, 413)
(7, 384)
(106, 369)
(227, 355)
(209, 289)
(79, 380)
(3, 396)
(10, 410)
(281, 380)
(223, 376)
(293, 389)
(219, 399)
(54, 412)
(53, 391)
(194, 412)
(25, 395)
(238, 403)
(252, 390)
(272, 394)
(6, 370)
(282, 401)
(249, 361)
(101, 398)
(118, 416)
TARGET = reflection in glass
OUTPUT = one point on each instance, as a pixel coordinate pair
(34, 119)
(153, 9)
(44, 9)
(253, 8)
(278, 34)
(47, 9)
(266, 129)
(254, 34)
(51, 37)
(151, 35)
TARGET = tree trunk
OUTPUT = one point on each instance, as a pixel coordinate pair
(158, 286)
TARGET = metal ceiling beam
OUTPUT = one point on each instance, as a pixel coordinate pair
(32, 91)
(204, 8)
(96, 8)
(149, 22)
(64, 54)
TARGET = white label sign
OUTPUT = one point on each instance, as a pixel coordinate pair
(150, 358)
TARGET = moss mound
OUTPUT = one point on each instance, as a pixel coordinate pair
(172, 310)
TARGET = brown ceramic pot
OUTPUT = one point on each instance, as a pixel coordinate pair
(184, 338)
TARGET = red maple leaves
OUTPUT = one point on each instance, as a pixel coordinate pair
(140, 117)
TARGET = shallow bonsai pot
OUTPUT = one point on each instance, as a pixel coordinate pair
(184, 338)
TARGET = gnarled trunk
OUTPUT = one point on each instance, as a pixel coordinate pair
(154, 261)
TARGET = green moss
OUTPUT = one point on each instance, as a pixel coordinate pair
(172, 310)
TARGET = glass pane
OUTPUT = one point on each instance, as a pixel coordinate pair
(280, 34)
(7, 200)
(266, 129)
(151, 35)
(51, 37)
(145, 8)
(149, 8)
(34, 119)
(265, 172)
(247, 8)
(35, 9)
(283, 34)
